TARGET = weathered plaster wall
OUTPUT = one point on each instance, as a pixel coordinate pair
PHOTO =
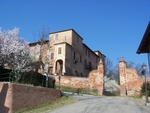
(134, 82)
(130, 81)
(15, 97)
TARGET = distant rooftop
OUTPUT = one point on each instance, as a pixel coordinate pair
(34, 43)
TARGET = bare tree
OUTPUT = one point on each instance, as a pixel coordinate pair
(108, 67)
(137, 67)
(41, 52)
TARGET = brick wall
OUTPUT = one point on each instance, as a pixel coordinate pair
(130, 81)
(15, 97)
(94, 80)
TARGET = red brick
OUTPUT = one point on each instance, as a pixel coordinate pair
(15, 97)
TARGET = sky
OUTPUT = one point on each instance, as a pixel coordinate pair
(114, 27)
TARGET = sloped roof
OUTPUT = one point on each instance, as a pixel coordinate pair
(38, 42)
(145, 42)
(66, 30)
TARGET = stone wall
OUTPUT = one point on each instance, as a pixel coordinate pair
(130, 81)
(15, 97)
(93, 81)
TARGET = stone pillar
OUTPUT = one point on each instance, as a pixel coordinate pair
(100, 91)
(122, 74)
(100, 78)
(101, 67)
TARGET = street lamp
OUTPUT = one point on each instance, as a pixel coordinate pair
(143, 72)
(59, 81)
(46, 73)
(60, 74)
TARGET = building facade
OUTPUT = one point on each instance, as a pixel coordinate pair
(68, 55)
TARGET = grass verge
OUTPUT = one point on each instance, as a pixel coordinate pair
(135, 97)
(77, 90)
(43, 108)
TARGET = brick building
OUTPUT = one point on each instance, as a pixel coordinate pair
(67, 54)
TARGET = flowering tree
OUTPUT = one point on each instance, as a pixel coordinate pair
(14, 51)
(110, 85)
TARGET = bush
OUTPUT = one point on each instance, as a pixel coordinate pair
(32, 78)
(36, 79)
(148, 89)
(4, 75)
(78, 90)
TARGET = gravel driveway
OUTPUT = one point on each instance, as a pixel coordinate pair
(96, 104)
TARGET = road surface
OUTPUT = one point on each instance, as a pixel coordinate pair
(95, 104)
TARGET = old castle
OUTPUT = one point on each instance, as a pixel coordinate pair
(66, 54)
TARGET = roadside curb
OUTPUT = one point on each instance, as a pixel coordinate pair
(148, 104)
(75, 94)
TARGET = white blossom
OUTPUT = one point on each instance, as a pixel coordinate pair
(14, 50)
(110, 85)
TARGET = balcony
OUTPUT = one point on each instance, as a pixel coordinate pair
(88, 67)
(75, 60)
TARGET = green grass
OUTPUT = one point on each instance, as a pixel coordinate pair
(135, 97)
(43, 108)
(77, 90)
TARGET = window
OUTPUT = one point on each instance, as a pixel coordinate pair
(86, 52)
(74, 56)
(96, 60)
(59, 50)
(90, 65)
(76, 72)
(80, 58)
(77, 39)
(85, 62)
(50, 70)
(75, 60)
(56, 37)
(65, 38)
(52, 55)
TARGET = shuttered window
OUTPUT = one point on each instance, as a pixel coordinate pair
(59, 50)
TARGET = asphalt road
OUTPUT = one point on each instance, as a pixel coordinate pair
(95, 104)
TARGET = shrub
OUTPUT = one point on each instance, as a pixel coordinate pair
(36, 79)
(78, 90)
(148, 89)
(32, 78)
(4, 75)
